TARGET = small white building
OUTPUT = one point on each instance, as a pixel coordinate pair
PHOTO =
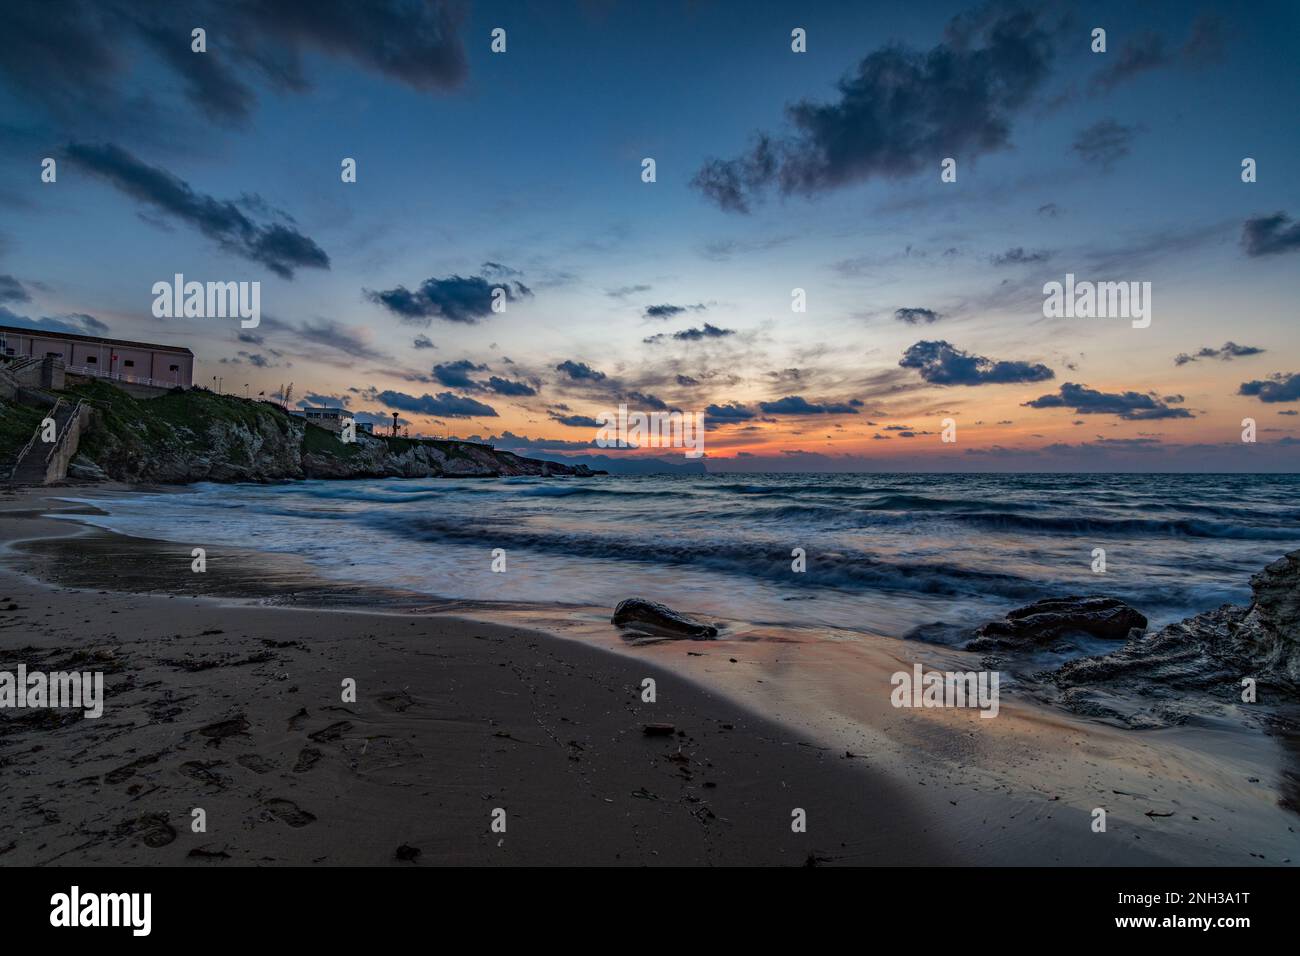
(327, 416)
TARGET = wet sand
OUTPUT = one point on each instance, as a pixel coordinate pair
(236, 709)
(455, 718)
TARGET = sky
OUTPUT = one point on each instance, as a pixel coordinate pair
(774, 171)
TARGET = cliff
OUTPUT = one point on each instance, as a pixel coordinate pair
(196, 435)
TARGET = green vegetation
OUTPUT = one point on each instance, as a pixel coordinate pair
(323, 441)
(18, 424)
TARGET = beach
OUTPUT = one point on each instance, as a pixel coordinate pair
(225, 693)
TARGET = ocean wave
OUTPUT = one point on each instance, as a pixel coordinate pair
(1133, 527)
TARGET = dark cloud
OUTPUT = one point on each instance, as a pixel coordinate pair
(668, 311)
(11, 290)
(277, 245)
(900, 111)
(941, 364)
(1131, 406)
(646, 400)
(443, 405)
(504, 386)
(576, 421)
(694, 335)
(455, 299)
(75, 57)
(1278, 387)
(75, 323)
(423, 342)
(1105, 142)
(798, 405)
(1229, 351)
(1270, 235)
(1018, 256)
(731, 412)
(916, 316)
(456, 374)
(579, 371)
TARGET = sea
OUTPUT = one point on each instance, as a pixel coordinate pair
(883, 553)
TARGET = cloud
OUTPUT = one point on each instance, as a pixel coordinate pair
(1130, 406)
(668, 311)
(277, 245)
(504, 386)
(797, 405)
(731, 412)
(939, 363)
(1105, 142)
(1018, 256)
(423, 342)
(576, 421)
(915, 316)
(897, 113)
(694, 335)
(1270, 235)
(624, 291)
(456, 374)
(75, 323)
(455, 299)
(1229, 351)
(1146, 52)
(1278, 387)
(579, 371)
(75, 57)
(443, 405)
(333, 335)
(11, 290)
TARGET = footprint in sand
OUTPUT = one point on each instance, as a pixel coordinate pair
(307, 759)
(255, 762)
(289, 812)
(205, 772)
(333, 732)
(152, 828)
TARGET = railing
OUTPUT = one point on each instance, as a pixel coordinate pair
(119, 376)
(67, 427)
(54, 411)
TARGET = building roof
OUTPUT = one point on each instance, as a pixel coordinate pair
(74, 337)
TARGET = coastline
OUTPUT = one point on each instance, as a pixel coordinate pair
(810, 727)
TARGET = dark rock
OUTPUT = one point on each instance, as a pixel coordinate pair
(406, 852)
(650, 617)
(1149, 681)
(1045, 621)
(658, 730)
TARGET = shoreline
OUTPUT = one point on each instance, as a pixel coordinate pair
(235, 709)
(1019, 793)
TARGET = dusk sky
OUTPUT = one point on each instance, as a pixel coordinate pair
(775, 171)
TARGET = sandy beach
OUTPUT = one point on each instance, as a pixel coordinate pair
(224, 693)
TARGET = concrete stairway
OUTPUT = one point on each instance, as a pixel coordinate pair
(33, 464)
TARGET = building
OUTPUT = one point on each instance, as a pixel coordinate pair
(328, 416)
(165, 366)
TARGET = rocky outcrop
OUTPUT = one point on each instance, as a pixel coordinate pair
(194, 435)
(1045, 621)
(1154, 678)
(649, 617)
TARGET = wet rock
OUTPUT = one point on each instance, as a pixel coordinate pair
(1148, 681)
(650, 617)
(1045, 621)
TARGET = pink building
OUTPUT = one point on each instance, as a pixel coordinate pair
(162, 365)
